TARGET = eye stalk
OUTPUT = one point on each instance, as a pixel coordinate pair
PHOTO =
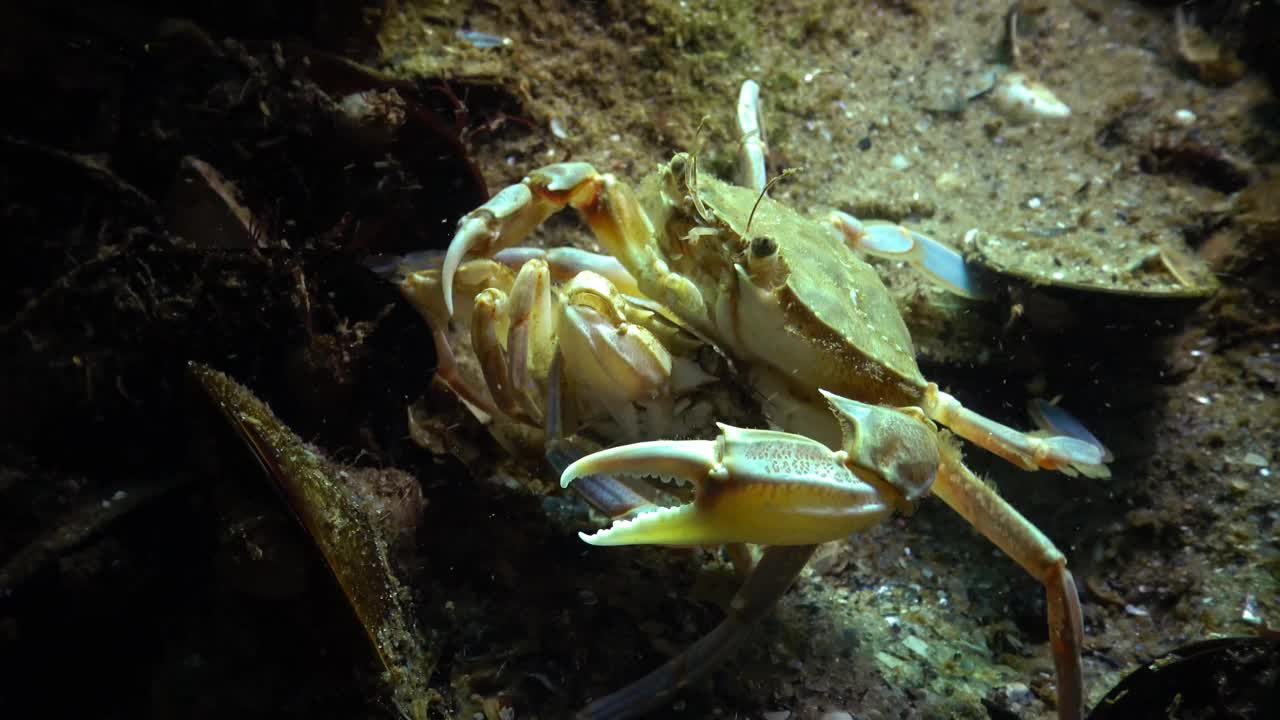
(764, 264)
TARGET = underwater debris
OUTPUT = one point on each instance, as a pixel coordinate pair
(373, 117)
(206, 209)
(1015, 94)
(355, 535)
(1203, 163)
(483, 41)
(79, 167)
(81, 522)
(1022, 99)
(1207, 60)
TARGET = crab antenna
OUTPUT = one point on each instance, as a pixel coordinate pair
(779, 176)
(1011, 31)
(697, 133)
(697, 136)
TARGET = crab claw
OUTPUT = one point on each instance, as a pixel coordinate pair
(509, 217)
(755, 486)
(479, 232)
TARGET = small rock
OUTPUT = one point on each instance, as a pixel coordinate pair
(917, 646)
(1018, 692)
(836, 715)
(777, 715)
(949, 182)
(1249, 613)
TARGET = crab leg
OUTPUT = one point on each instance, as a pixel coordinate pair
(936, 261)
(1000, 523)
(488, 317)
(531, 338)
(779, 489)
(773, 575)
(421, 287)
(614, 497)
(770, 579)
(1026, 451)
(616, 362)
(752, 172)
(608, 206)
(501, 222)
(525, 320)
(566, 262)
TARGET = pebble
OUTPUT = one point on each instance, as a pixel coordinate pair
(836, 715)
(1252, 458)
(777, 715)
(949, 181)
(1018, 692)
(1184, 117)
(917, 646)
(1249, 613)
(900, 162)
(483, 41)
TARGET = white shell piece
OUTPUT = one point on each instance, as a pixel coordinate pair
(1022, 99)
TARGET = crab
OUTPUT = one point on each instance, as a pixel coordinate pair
(692, 262)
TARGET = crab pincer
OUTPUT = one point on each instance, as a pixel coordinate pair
(775, 488)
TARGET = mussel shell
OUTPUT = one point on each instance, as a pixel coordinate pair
(1236, 677)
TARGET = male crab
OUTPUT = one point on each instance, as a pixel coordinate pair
(693, 261)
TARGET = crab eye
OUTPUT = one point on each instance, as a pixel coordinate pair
(765, 264)
(763, 247)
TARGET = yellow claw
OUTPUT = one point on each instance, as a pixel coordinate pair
(757, 486)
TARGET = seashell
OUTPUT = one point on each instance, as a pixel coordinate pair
(1022, 99)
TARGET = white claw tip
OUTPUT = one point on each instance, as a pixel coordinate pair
(453, 257)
